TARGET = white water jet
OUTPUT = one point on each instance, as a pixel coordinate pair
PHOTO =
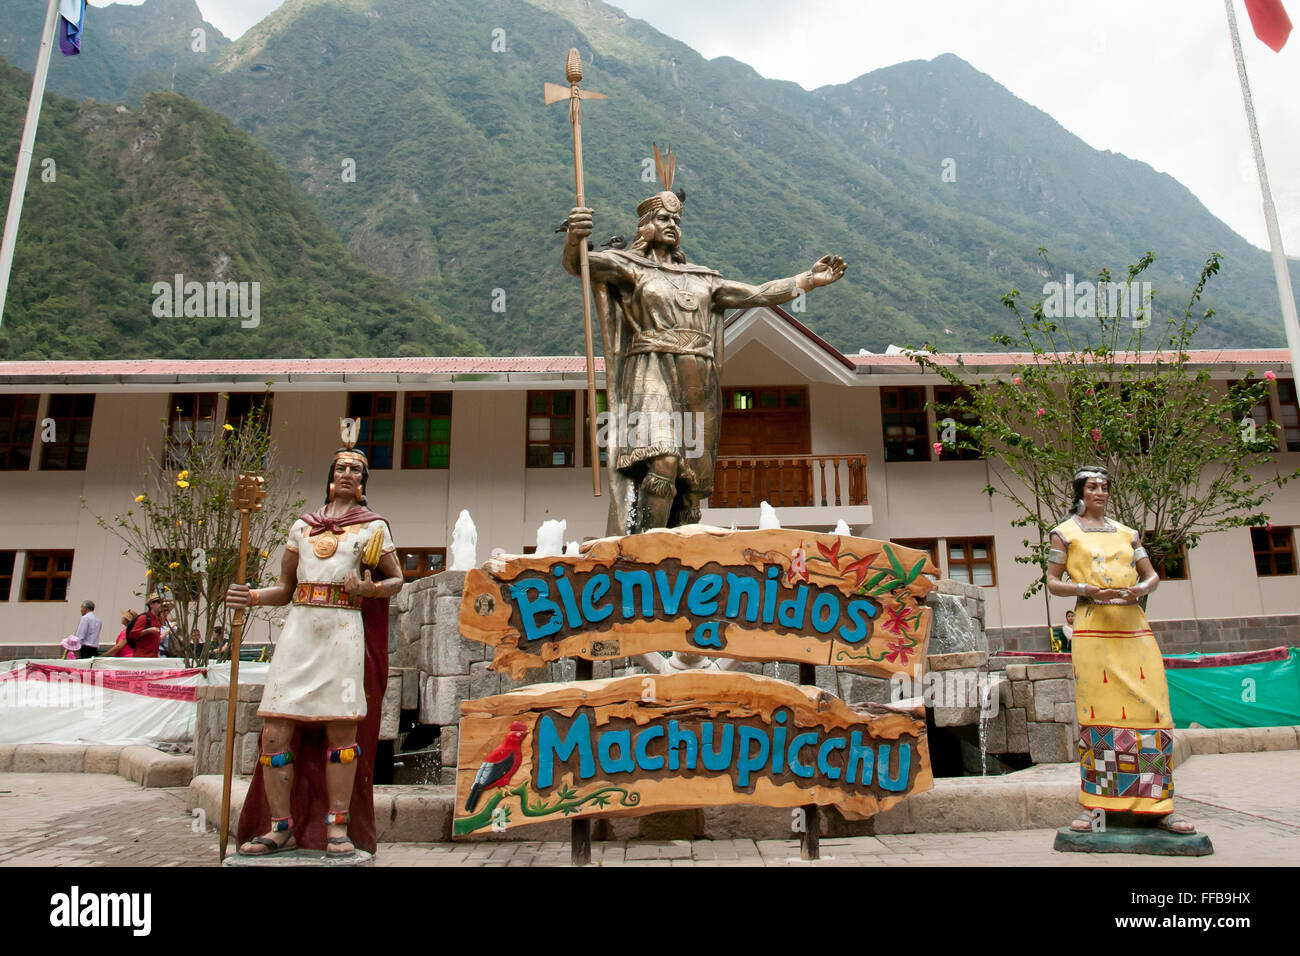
(842, 528)
(464, 544)
(550, 539)
(767, 517)
(571, 549)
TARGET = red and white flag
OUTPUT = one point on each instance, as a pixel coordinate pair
(1270, 21)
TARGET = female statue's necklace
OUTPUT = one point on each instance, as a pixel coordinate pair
(1105, 524)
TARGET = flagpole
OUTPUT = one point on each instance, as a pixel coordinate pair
(1280, 269)
(25, 153)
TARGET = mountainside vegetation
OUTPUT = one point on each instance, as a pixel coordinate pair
(120, 199)
(419, 132)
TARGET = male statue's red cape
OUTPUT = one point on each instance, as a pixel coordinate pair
(308, 802)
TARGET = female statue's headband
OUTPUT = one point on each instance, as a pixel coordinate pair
(1086, 473)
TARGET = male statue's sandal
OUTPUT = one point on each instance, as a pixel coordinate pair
(278, 825)
(1176, 824)
(338, 818)
(1081, 824)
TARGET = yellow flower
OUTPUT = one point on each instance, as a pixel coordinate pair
(148, 573)
(179, 522)
(183, 475)
(228, 427)
(173, 566)
(182, 484)
(265, 555)
(139, 497)
(200, 521)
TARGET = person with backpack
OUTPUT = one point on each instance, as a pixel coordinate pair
(140, 638)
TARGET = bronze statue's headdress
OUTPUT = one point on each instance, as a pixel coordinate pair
(666, 168)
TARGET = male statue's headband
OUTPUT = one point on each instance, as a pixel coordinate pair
(666, 167)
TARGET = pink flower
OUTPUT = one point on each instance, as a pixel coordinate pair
(1016, 380)
(1041, 412)
(1268, 526)
(1271, 376)
(938, 448)
(1096, 434)
(1091, 392)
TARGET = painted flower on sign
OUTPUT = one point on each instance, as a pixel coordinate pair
(831, 554)
(899, 651)
(860, 569)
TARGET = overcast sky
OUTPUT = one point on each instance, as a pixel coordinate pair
(1153, 80)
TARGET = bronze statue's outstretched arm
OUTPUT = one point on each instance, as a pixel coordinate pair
(739, 295)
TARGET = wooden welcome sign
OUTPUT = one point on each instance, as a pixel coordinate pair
(635, 745)
(754, 595)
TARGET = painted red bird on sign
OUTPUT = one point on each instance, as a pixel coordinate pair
(499, 766)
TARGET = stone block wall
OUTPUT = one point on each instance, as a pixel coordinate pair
(1208, 636)
(210, 729)
(1036, 712)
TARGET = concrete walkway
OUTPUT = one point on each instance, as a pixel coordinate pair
(1245, 801)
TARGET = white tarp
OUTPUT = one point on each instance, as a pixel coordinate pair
(107, 700)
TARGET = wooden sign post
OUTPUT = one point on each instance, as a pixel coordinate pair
(637, 745)
(753, 595)
(640, 744)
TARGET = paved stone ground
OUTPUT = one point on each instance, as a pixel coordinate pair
(1245, 802)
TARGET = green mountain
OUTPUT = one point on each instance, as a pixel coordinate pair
(127, 50)
(461, 173)
(120, 199)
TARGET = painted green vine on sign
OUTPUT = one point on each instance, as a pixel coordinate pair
(567, 802)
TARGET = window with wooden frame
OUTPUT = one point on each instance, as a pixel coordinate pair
(72, 416)
(426, 430)
(421, 562)
(550, 430)
(905, 424)
(1173, 567)
(192, 418)
(377, 413)
(929, 545)
(602, 406)
(240, 406)
(7, 573)
(17, 431)
(1274, 551)
(945, 396)
(46, 575)
(971, 560)
(1289, 409)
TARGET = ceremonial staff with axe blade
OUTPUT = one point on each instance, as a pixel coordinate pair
(554, 93)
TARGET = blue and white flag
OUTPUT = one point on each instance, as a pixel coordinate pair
(71, 15)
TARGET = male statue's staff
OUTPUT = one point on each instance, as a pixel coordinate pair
(249, 492)
(553, 93)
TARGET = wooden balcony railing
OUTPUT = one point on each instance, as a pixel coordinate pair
(790, 481)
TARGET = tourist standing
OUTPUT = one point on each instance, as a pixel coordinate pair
(88, 628)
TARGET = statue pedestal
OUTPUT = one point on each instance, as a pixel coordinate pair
(288, 858)
(1125, 835)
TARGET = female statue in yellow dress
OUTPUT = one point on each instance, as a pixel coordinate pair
(1125, 728)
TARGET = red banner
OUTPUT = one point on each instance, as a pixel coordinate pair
(144, 683)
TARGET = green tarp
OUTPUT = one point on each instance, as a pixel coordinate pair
(1262, 694)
